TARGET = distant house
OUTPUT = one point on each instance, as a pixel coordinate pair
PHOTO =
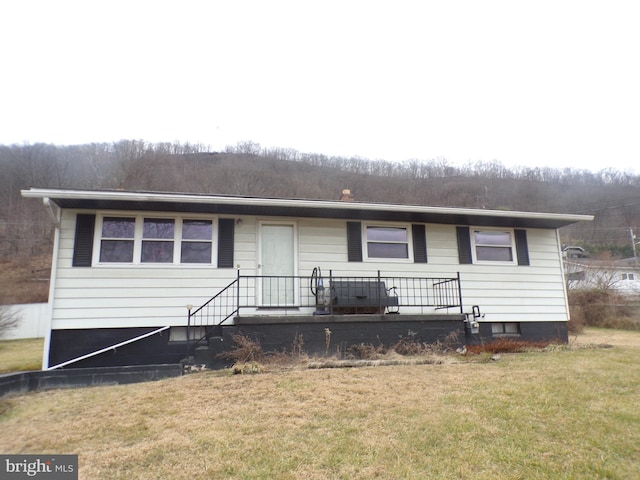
(150, 277)
(621, 275)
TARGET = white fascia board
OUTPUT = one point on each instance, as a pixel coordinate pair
(286, 202)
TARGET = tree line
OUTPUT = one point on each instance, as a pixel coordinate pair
(247, 168)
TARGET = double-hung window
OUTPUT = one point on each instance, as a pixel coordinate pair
(492, 245)
(158, 238)
(145, 239)
(196, 245)
(117, 239)
(390, 242)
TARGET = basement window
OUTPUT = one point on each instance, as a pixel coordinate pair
(504, 329)
(179, 334)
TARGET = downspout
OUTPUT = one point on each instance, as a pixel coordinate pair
(53, 210)
(56, 215)
(564, 280)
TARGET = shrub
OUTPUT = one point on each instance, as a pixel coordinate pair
(601, 308)
(364, 351)
(410, 347)
(247, 368)
(246, 350)
(506, 345)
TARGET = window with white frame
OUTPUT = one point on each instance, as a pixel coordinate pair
(117, 239)
(628, 276)
(493, 245)
(158, 238)
(391, 242)
(147, 239)
(196, 244)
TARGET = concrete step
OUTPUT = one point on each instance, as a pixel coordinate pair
(209, 355)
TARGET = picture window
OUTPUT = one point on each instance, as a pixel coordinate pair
(151, 240)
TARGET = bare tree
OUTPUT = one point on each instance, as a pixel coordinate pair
(9, 319)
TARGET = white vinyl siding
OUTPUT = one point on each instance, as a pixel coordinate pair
(129, 295)
(120, 295)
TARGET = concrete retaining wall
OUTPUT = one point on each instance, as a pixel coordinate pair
(24, 382)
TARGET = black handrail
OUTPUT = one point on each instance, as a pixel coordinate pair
(291, 293)
(222, 294)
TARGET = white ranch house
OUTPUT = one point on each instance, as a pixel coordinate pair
(151, 277)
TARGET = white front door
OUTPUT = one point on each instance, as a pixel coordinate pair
(278, 264)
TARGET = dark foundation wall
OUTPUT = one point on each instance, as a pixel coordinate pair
(313, 335)
(330, 337)
(153, 350)
(530, 331)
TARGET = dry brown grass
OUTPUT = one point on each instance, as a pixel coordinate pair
(564, 414)
(607, 336)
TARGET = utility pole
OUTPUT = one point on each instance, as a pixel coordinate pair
(633, 242)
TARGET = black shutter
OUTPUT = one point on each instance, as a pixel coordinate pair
(226, 228)
(419, 243)
(83, 245)
(522, 247)
(464, 245)
(354, 241)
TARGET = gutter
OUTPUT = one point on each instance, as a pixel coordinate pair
(54, 194)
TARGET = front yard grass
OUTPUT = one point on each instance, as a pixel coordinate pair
(563, 413)
(20, 355)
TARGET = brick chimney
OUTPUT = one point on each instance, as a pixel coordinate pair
(347, 196)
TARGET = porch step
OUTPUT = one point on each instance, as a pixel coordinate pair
(208, 355)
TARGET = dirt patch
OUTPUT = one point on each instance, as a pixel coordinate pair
(617, 338)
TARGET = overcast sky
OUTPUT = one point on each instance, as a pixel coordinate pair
(537, 83)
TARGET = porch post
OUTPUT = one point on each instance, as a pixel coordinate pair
(379, 294)
(238, 292)
(189, 307)
(330, 291)
(460, 294)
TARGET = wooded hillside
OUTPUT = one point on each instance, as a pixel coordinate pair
(248, 169)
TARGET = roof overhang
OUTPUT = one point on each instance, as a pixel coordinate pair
(287, 207)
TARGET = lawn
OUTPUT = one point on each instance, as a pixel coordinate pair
(23, 354)
(565, 413)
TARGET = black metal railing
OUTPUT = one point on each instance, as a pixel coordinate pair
(332, 295)
(206, 319)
